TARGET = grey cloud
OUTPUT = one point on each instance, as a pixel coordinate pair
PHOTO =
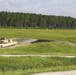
(51, 7)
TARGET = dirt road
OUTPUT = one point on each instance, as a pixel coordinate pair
(37, 56)
(73, 72)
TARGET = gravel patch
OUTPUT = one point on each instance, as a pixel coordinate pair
(24, 40)
(73, 72)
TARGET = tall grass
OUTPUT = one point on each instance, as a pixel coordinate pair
(14, 64)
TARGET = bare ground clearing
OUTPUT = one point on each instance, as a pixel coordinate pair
(72, 72)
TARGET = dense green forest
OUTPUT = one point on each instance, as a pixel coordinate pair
(31, 20)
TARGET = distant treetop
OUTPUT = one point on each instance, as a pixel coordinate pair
(32, 20)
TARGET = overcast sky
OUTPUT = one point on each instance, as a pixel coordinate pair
(48, 7)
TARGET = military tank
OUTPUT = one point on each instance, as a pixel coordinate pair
(7, 42)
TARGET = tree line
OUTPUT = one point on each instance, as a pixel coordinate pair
(32, 20)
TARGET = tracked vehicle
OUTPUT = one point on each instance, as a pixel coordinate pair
(7, 42)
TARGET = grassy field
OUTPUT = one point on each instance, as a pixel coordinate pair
(41, 48)
(53, 48)
(27, 65)
(54, 34)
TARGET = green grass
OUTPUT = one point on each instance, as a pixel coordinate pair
(33, 71)
(55, 34)
(26, 65)
(53, 48)
(43, 48)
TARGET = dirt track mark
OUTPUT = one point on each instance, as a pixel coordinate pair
(73, 72)
(37, 56)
